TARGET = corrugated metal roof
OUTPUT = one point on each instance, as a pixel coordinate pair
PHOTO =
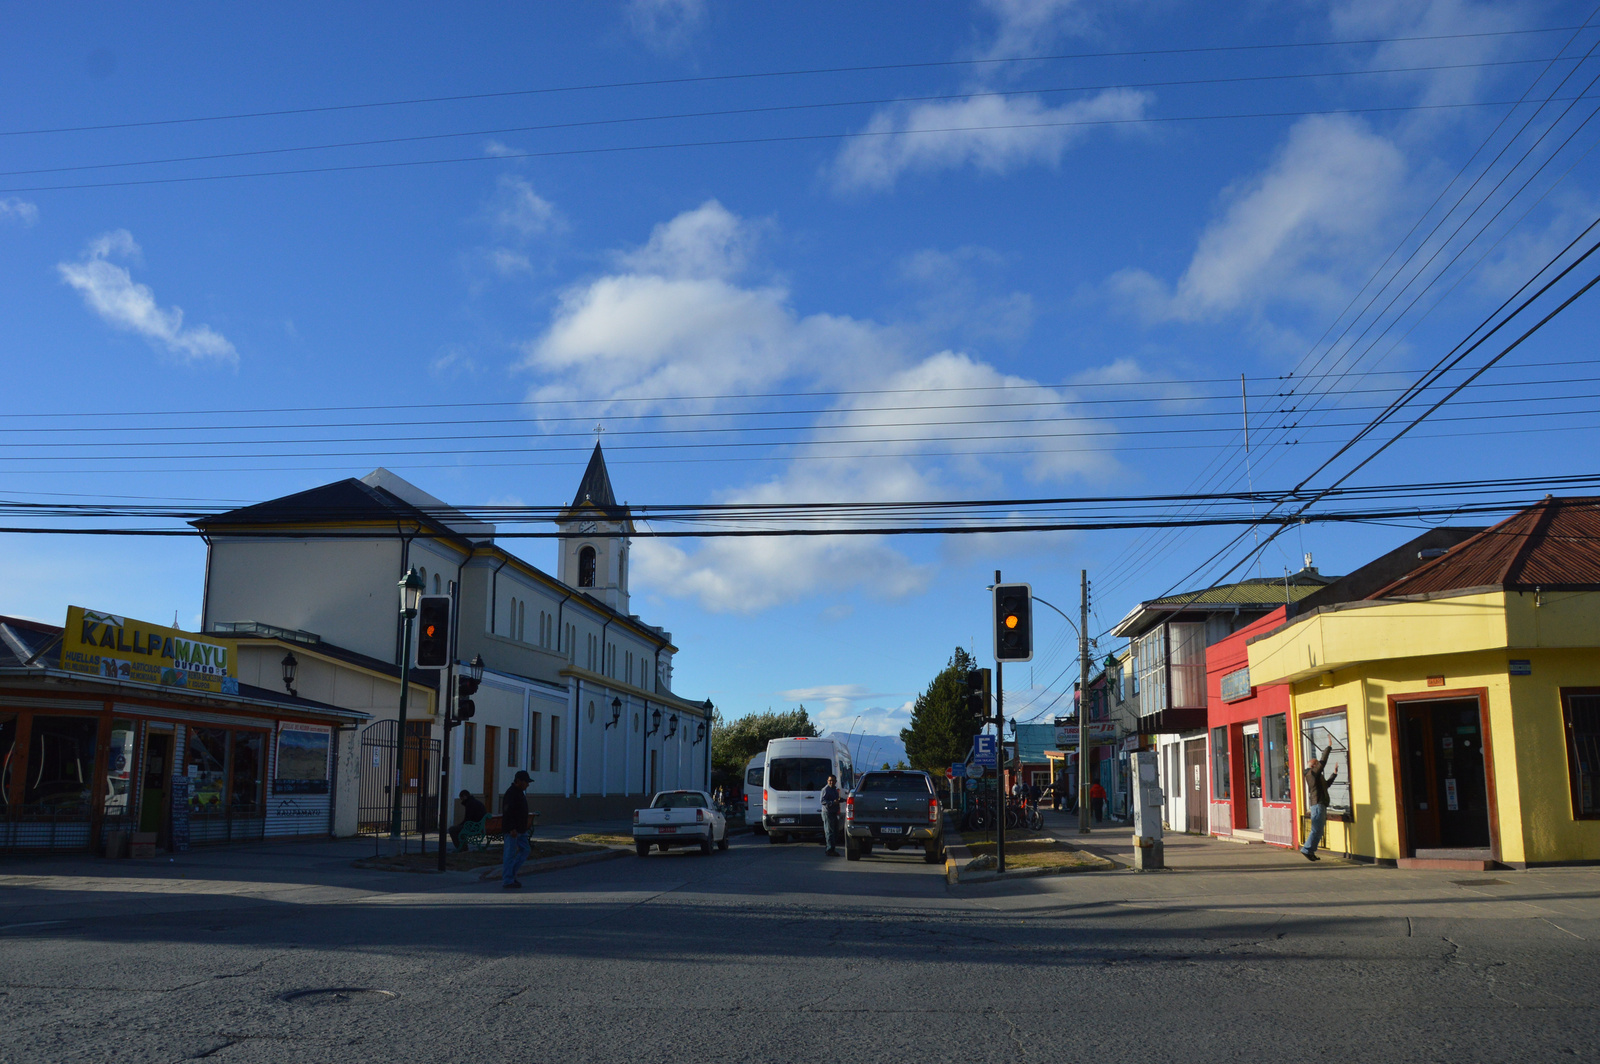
(1553, 544)
(1254, 592)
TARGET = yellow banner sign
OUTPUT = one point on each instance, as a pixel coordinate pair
(117, 648)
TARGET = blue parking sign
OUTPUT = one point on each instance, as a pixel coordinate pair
(983, 751)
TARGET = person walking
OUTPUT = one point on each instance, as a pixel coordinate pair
(471, 809)
(514, 826)
(1317, 802)
(1097, 800)
(830, 815)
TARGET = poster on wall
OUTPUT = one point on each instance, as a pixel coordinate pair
(120, 648)
(302, 760)
(180, 813)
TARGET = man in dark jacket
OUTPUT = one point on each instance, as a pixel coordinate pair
(1317, 802)
(471, 810)
(830, 815)
(514, 826)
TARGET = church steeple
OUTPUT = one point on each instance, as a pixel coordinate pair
(595, 487)
(594, 549)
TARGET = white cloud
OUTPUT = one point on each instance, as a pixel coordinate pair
(16, 210)
(110, 291)
(1024, 27)
(1455, 19)
(500, 150)
(837, 708)
(993, 134)
(665, 25)
(521, 211)
(709, 241)
(1292, 232)
(508, 263)
(676, 323)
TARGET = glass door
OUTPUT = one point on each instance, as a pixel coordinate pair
(1252, 770)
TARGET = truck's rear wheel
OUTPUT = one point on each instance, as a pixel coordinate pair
(933, 851)
(852, 852)
(773, 838)
(642, 849)
(722, 843)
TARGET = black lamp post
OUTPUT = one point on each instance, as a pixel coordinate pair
(290, 667)
(411, 588)
(616, 712)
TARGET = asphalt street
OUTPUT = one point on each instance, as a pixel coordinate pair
(777, 953)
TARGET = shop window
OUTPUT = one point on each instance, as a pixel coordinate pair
(469, 743)
(1275, 735)
(1331, 732)
(119, 768)
(205, 762)
(244, 789)
(1221, 778)
(60, 765)
(1581, 709)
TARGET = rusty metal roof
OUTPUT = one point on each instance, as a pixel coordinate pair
(1553, 544)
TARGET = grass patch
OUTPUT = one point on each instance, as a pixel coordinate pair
(474, 859)
(1030, 850)
(604, 840)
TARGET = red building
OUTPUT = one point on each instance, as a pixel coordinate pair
(1253, 793)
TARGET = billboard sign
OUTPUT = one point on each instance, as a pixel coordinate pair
(120, 648)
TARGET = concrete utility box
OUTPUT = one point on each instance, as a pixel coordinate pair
(1147, 802)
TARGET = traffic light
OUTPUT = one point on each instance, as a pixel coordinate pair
(978, 693)
(433, 632)
(1013, 622)
(466, 687)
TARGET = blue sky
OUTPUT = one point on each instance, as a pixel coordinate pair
(873, 255)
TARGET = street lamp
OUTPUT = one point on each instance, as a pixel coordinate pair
(475, 668)
(411, 588)
(699, 734)
(290, 666)
(655, 722)
(616, 712)
(672, 728)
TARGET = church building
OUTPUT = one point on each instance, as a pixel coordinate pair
(576, 690)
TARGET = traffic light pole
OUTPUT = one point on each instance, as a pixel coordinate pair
(1000, 760)
(400, 754)
(447, 713)
(1083, 706)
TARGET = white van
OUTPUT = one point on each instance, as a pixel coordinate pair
(796, 771)
(754, 779)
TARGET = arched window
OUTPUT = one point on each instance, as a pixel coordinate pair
(435, 583)
(522, 622)
(586, 567)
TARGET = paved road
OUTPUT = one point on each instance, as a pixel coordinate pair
(776, 953)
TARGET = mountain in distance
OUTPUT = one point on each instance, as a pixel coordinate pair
(871, 751)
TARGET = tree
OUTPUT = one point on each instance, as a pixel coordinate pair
(734, 744)
(942, 723)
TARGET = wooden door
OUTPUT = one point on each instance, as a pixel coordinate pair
(1194, 782)
(1442, 775)
(491, 754)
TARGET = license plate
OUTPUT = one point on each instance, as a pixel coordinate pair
(786, 820)
(890, 831)
(668, 831)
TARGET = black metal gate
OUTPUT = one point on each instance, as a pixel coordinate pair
(419, 792)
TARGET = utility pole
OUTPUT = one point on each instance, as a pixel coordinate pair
(1000, 760)
(1083, 706)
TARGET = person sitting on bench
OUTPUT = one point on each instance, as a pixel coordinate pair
(472, 810)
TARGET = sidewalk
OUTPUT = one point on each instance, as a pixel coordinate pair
(1181, 853)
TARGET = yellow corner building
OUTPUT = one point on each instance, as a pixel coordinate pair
(1462, 700)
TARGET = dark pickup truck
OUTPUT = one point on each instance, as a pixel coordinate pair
(895, 809)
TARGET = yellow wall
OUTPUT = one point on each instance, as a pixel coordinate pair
(1396, 647)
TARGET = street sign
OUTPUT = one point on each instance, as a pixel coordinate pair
(984, 751)
(974, 772)
(958, 772)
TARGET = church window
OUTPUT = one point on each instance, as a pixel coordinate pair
(586, 567)
(436, 583)
(522, 622)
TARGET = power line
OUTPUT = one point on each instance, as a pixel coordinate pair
(773, 109)
(793, 138)
(711, 78)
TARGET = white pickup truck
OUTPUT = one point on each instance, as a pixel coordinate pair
(679, 818)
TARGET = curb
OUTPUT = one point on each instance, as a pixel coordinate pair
(957, 855)
(556, 864)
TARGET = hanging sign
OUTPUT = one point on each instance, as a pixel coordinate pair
(120, 648)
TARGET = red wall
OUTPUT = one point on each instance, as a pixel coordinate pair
(1222, 658)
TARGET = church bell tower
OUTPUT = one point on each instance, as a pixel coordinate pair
(594, 546)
